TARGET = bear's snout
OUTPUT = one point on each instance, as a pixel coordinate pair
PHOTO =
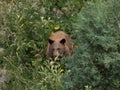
(56, 54)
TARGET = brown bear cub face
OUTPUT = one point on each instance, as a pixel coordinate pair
(57, 48)
(59, 44)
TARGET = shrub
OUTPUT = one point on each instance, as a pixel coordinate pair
(95, 63)
(39, 76)
(27, 25)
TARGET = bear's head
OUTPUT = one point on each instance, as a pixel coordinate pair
(57, 48)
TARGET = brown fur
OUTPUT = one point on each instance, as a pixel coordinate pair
(59, 43)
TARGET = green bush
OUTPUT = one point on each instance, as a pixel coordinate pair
(27, 25)
(95, 64)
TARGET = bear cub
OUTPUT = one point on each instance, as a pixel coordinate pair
(59, 43)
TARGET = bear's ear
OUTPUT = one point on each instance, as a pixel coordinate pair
(50, 41)
(63, 41)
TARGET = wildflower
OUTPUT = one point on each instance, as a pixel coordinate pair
(57, 27)
(76, 46)
(62, 70)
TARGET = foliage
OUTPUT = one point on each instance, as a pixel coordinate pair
(41, 77)
(28, 24)
(95, 63)
(25, 26)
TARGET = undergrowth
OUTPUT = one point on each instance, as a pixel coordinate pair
(25, 26)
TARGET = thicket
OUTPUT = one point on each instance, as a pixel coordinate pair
(25, 26)
(95, 64)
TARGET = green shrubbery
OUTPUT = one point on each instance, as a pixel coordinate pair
(27, 24)
(95, 63)
(25, 27)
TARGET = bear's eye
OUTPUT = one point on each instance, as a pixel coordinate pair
(58, 48)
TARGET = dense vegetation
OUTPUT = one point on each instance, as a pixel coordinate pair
(94, 26)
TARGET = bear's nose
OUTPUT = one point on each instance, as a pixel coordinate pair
(56, 54)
